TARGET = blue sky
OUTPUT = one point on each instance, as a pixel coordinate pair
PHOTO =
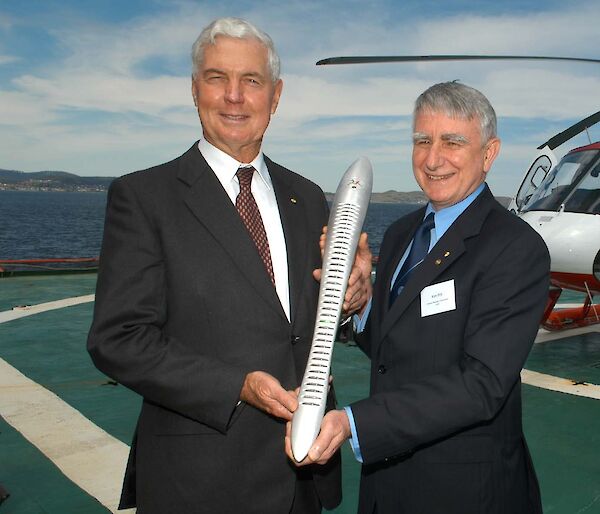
(102, 87)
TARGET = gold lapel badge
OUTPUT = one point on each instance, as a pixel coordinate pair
(439, 261)
(293, 200)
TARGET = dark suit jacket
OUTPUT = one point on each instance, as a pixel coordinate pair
(184, 310)
(441, 430)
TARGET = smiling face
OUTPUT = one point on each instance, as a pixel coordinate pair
(449, 158)
(235, 96)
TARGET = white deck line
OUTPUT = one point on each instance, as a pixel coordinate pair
(28, 310)
(86, 454)
(544, 335)
(561, 385)
(92, 458)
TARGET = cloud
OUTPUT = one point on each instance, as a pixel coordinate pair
(569, 29)
(543, 93)
(5, 59)
(110, 93)
(124, 85)
(6, 21)
(21, 109)
(307, 97)
(108, 67)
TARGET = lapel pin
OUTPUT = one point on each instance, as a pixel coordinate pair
(293, 200)
(446, 254)
(438, 262)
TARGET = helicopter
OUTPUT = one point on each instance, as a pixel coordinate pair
(558, 199)
(561, 201)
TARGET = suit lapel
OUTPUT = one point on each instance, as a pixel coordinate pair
(386, 268)
(446, 251)
(292, 213)
(441, 256)
(210, 204)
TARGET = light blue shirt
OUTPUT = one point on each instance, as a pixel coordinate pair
(443, 219)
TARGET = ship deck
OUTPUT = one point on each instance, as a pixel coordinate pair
(65, 427)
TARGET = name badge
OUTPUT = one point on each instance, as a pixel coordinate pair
(438, 298)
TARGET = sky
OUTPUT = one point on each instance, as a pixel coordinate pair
(102, 87)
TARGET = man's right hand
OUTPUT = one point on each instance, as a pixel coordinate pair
(359, 290)
(264, 392)
(335, 429)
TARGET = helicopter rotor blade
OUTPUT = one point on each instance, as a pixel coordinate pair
(372, 59)
(572, 131)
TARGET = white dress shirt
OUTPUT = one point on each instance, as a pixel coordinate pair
(225, 168)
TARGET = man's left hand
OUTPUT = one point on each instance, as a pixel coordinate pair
(359, 288)
(335, 429)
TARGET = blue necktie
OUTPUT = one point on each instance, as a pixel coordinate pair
(417, 253)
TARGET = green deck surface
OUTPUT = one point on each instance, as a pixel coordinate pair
(562, 430)
(577, 358)
(35, 485)
(31, 290)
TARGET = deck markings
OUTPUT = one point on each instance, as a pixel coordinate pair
(28, 310)
(561, 385)
(86, 454)
(545, 336)
(92, 458)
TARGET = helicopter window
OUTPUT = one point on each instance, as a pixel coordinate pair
(586, 198)
(534, 178)
(558, 184)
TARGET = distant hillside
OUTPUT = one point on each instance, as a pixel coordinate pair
(51, 181)
(416, 197)
(392, 197)
(63, 181)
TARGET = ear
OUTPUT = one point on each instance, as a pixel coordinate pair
(276, 95)
(491, 150)
(194, 92)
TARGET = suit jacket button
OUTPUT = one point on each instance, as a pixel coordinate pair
(295, 339)
(381, 369)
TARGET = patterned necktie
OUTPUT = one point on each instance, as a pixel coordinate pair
(246, 206)
(417, 253)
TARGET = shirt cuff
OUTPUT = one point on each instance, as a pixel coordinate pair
(361, 321)
(354, 439)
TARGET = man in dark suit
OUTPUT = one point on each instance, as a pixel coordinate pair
(460, 289)
(206, 301)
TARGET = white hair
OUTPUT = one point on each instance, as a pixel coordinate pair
(458, 100)
(237, 28)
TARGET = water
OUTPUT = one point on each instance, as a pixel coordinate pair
(37, 225)
(48, 225)
(380, 216)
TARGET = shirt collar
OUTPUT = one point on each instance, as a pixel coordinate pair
(225, 166)
(445, 217)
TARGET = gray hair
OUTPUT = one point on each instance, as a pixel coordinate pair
(457, 100)
(237, 28)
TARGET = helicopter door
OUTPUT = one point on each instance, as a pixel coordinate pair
(542, 164)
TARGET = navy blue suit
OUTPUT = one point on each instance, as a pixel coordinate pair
(441, 429)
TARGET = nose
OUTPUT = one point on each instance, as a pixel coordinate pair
(434, 157)
(233, 92)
